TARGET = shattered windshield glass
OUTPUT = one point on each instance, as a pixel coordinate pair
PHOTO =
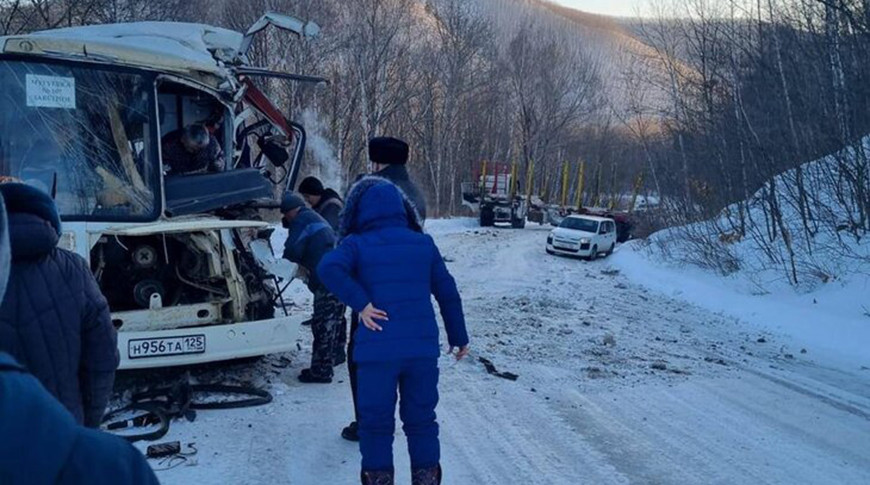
(84, 133)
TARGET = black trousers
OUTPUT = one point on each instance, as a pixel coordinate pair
(351, 366)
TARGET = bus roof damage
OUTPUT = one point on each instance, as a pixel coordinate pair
(212, 56)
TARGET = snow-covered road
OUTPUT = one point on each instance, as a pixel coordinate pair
(617, 384)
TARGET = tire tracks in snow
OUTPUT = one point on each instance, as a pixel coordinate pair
(723, 430)
(497, 433)
(730, 421)
(832, 396)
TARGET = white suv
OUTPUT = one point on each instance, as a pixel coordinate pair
(583, 236)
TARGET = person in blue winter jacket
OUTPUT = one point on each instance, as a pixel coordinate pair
(386, 269)
(309, 237)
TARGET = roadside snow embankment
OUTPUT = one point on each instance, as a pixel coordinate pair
(794, 259)
(830, 322)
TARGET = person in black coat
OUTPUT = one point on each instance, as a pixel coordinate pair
(309, 238)
(388, 157)
(53, 319)
(40, 442)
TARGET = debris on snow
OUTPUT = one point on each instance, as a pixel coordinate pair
(598, 373)
(716, 360)
(679, 372)
(491, 369)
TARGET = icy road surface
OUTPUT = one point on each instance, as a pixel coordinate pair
(617, 384)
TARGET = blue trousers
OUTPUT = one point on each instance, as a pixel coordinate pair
(417, 382)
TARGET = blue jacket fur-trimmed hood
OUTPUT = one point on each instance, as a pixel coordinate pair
(398, 175)
(385, 259)
(385, 207)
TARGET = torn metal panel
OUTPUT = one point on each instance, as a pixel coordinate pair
(283, 22)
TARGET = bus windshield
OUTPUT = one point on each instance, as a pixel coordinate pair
(83, 133)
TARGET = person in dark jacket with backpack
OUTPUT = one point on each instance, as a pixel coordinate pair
(309, 238)
(386, 270)
(40, 442)
(389, 159)
(54, 320)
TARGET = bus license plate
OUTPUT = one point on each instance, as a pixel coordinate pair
(164, 346)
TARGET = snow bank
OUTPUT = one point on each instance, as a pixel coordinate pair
(832, 323)
(832, 246)
(817, 293)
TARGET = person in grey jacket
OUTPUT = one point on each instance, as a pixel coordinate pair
(326, 202)
(53, 319)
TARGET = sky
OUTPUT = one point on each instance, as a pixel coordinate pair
(623, 8)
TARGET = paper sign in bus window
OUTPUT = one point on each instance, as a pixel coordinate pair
(51, 91)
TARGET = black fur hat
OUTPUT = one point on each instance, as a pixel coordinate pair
(388, 151)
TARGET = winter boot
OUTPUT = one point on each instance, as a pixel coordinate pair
(308, 377)
(376, 477)
(426, 476)
(351, 432)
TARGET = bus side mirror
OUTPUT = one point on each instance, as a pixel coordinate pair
(274, 150)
